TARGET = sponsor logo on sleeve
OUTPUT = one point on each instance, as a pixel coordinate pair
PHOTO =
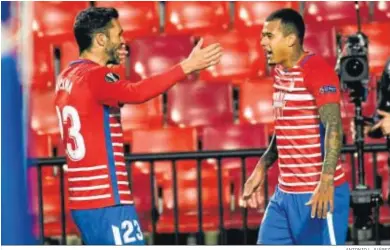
(328, 89)
(111, 77)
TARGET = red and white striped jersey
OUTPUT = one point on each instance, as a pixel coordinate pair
(88, 101)
(298, 94)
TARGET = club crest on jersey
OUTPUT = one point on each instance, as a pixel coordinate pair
(111, 77)
(328, 89)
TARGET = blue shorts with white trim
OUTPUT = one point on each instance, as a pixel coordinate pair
(287, 220)
(117, 225)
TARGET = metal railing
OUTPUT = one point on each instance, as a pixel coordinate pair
(174, 157)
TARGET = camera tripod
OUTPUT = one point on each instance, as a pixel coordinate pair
(363, 199)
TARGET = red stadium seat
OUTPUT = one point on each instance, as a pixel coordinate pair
(158, 141)
(256, 101)
(42, 146)
(137, 18)
(378, 45)
(381, 11)
(335, 12)
(148, 115)
(55, 19)
(320, 39)
(43, 113)
(68, 52)
(249, 17)
(384, 214)
(142, 195)
(188, 201)
(43, 68)
(196, 18)
(164, 141)
(232, 137)
(199, 103)
(176, 140)
(242, 58)
(52, 208)
(153, 55)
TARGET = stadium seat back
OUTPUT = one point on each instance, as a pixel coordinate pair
(381, 11)
(137, 18)
(249, 16)
(200, 103)
(335, 12)
(53, 19)
(242, 58)
(256, 101)
(196, 18)
(320, 39)
(146, 115)
(154, 55)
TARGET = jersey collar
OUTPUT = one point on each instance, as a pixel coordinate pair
(81, 61)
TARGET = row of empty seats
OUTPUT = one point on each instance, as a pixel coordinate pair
(243, 57)
(143, 18)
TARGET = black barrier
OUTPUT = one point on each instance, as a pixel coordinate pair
(174, 157)
(200, 238)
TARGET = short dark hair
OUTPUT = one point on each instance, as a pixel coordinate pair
(291, 20)
(91, 21)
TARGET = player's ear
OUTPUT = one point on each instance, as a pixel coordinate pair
(101, 39)
(292, 39)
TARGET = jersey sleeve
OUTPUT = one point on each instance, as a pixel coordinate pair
(323, 83)
(112, 92)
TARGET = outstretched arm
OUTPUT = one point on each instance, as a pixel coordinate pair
(111, 93)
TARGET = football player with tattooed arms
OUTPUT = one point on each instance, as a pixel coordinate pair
(88, 100)
(311, 202)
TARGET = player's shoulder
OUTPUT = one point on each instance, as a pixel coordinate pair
(317, 65)
(101, 73)
(315, 61)
(85, 68)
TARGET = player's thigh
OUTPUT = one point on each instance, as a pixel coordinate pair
(116, 225)
(274, 229)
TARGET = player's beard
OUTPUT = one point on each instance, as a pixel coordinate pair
(113, 55)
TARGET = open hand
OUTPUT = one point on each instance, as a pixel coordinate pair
(253, 194)
(323, 197)
(384, 123)
(201, 58)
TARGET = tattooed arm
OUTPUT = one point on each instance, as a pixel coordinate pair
(323, 196)
(331, 119)
(270, 156)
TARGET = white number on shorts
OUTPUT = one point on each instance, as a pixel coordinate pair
(138, 234)
(129, 229)
(69, 112)
(128, 226)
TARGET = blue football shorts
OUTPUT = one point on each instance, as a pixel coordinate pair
(287, 220)
(117, 225)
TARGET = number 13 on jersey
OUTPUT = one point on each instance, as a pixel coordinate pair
(69, 119)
